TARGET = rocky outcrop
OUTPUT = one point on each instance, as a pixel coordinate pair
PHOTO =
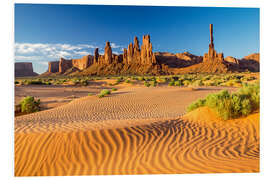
(96, 56)
(64, 65)
(213, 62)
(83, 63)
(250, 62)
(23, 69)
(141, 60)
(53, 66)
(232, 60)
(147, 56)
(178, 60)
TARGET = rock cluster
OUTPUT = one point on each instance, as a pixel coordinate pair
(140, 60)
(143, 56)
(212, 56)
(23, 69)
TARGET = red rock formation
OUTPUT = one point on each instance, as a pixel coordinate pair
(147, 56)
(96, 56)
(64, 65)
(177, 60)
(23, 69)
(108, 54)
(250, 62)
(83, 63)
(53, 66)
(231, 60)
(212, 56)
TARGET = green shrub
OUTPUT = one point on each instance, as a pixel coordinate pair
(234, 105)
(118, 81)
(196, 104)
(197, 83)
(90, 94)
(186, 82)
(141, 78)
(171, 83)
(177, 83)
(104, 92)
(127, 81)
(29, 104)
(147, 84)
(114, 89)
(153, 83)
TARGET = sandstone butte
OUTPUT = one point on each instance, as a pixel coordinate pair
(24, 69)
(141, 60)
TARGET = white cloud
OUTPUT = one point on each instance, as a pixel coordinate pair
(114, 46)
(48, 52)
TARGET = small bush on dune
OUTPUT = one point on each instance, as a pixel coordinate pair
(90, 94)
(114, 89)
(29, 105)
(127, 81)
(104, 92)
(141, 78)
(234, 105)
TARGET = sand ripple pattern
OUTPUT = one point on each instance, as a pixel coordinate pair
(174, 146)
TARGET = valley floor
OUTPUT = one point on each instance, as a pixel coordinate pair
(135, 130)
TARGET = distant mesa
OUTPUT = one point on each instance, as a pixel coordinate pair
(24, 69)
(141, 60)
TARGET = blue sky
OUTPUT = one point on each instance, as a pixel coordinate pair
(47, 32)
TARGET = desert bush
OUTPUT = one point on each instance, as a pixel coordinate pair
(29, 104)
(196, 104)
(197, 83)
(141, 78)
(114, 89)
(234, 105)
(17, 82)
(90, 94)
(171, 83)
(153, 83)
(34, 82)
(147, 84)
(104, 92)
(177, 83)
(186, 82)
(127, 81)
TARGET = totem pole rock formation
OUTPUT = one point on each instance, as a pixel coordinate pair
(212, 54)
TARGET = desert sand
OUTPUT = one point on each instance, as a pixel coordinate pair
(135, 130)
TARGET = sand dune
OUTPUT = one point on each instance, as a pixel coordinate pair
(144, 133)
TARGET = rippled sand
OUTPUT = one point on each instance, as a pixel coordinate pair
(136, 130)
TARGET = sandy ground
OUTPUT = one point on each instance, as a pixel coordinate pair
(135, 130)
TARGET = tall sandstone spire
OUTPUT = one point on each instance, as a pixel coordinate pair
(212, 55)
(107, 54)
(147, 55)
(96, 56)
